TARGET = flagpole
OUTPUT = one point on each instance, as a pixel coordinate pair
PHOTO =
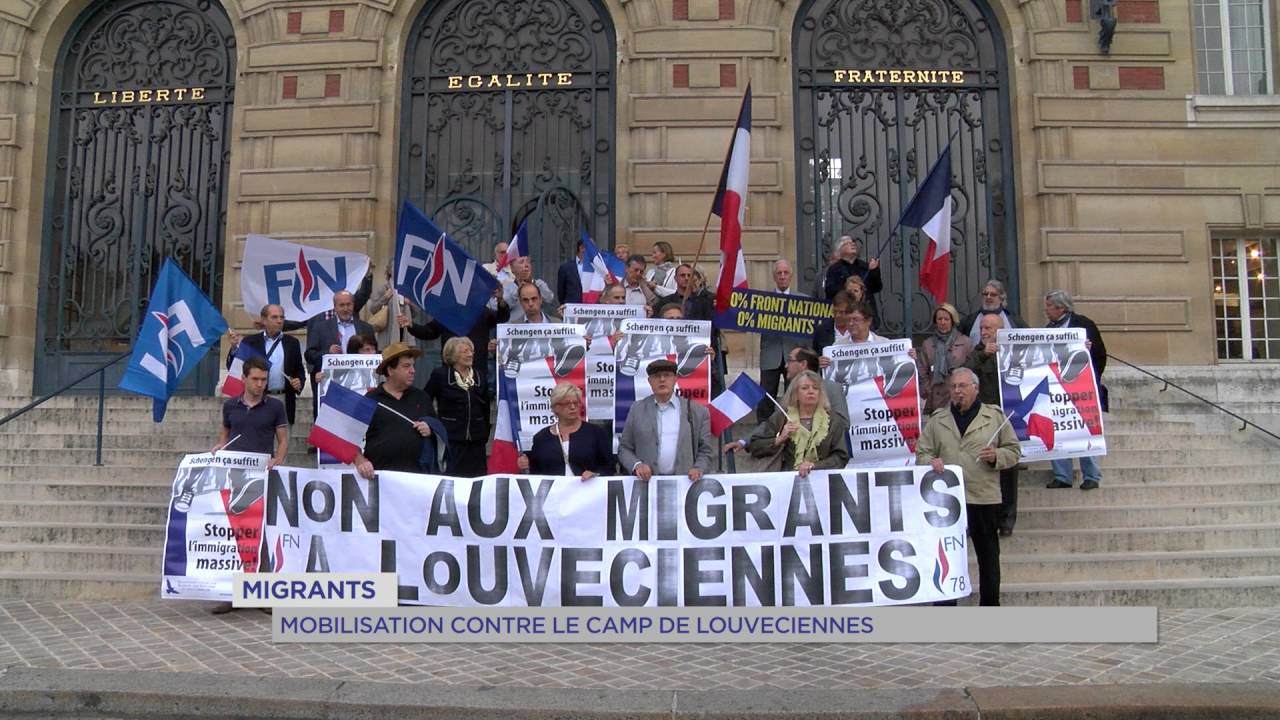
(892, 230)
(397, 413)
(225, 445)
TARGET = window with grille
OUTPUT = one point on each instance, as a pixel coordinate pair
(1233, 46)
(1246, 298)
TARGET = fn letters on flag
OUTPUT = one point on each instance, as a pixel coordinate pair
(342, 422)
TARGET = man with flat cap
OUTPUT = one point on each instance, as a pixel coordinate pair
(394, 438)
(666, 434)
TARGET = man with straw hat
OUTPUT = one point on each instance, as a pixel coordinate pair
(394, 438)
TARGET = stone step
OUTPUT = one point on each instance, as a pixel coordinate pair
(79, 586)
(87, 414)
(1190, 564)
(16, 532)
(1254, 591)
(1154, 441)
(1120, 493)
(1137, 516)
(1165, 474)
(1143, 539)
(117, 401)
(80, 558)
(1199, 458)
(128, 425)
(87, 512)
(70, 490)
(137, 442)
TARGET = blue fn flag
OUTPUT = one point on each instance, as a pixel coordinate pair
(180, 326)
(437, 274)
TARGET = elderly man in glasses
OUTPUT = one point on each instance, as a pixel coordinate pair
(994, 302)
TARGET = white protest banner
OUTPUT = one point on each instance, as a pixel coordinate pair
(532, 360)
(599, 323)
(357, 373)
(884, 401)
(1050, 394)
(684, 342)
(215, 524)
(871, 537)
(299, 278)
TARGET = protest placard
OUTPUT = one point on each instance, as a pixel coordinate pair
(884, 400)
(1050, 394)
(599, 323)
(684, 342)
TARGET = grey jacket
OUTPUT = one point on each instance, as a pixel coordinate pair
(640, 438)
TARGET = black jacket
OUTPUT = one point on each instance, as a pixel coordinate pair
(292, 364)
(1097, 348)
(464, 413)
(361, 297)
(323, 333)
(590, 448)
(568, 282)
(391, 443)
(479, 336)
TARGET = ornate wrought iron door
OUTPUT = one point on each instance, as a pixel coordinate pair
(138, 164)
(508, 116)
(866, 139)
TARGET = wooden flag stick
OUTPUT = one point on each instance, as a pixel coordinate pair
(397, 413)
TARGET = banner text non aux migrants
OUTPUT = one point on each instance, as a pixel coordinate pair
(876, 537)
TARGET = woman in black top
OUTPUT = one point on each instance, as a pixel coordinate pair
(585, 448)
(462, 404)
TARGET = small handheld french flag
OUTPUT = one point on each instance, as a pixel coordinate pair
(735, 402)
(233, 386)
(518, 247)
(342, 422)
(597, 269)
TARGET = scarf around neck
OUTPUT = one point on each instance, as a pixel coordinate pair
(940, 345)
(806, 441)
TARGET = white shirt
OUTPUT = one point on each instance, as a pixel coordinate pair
(668, 435)
(634, 295)
(842, 338)
(275, 375)
(346, 331)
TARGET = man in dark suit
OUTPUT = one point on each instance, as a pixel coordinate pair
(774, 349)
(284, 352)
(329, 336)
(568, 280)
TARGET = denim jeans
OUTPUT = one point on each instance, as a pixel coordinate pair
(1089, 470)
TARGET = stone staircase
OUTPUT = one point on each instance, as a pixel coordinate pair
(71, 530)
(1188, 514)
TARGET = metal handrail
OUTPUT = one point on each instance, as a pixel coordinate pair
(101, 372)
(1245, 422)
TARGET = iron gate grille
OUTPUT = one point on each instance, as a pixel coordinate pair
(509, 115)
(865, 141)
(137, 175)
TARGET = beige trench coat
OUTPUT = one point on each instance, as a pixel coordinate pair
(941, 439)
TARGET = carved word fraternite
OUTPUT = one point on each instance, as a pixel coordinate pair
(904, 77)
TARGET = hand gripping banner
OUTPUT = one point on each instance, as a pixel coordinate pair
(1050, 394)
(884, 401)
(884, 536)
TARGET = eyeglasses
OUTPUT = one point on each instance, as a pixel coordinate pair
(569, 403)
(990, 293)
(960, 386)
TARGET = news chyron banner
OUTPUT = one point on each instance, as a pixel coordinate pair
(884, 536)
(357, 373)
(215, 524)
(880, 384)
(684, 342)
(1050, 394)
(599, 323)
(532, 360)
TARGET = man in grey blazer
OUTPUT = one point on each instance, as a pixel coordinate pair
(774, 349)
(666, 434)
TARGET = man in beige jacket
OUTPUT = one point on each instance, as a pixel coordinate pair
(980, 440)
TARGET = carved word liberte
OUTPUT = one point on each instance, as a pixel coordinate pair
(922, 77)
(147, 96)
(543, 79)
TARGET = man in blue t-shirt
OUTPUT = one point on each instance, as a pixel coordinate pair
(252, 421)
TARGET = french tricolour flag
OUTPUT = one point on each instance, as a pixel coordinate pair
(518, 247)
(734, 403)
(731, 206)
(597, 269)
(930, 210)
(506, 433)
(233, 386)
(342, 422)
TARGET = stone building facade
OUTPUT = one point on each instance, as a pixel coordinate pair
(1129, 178)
